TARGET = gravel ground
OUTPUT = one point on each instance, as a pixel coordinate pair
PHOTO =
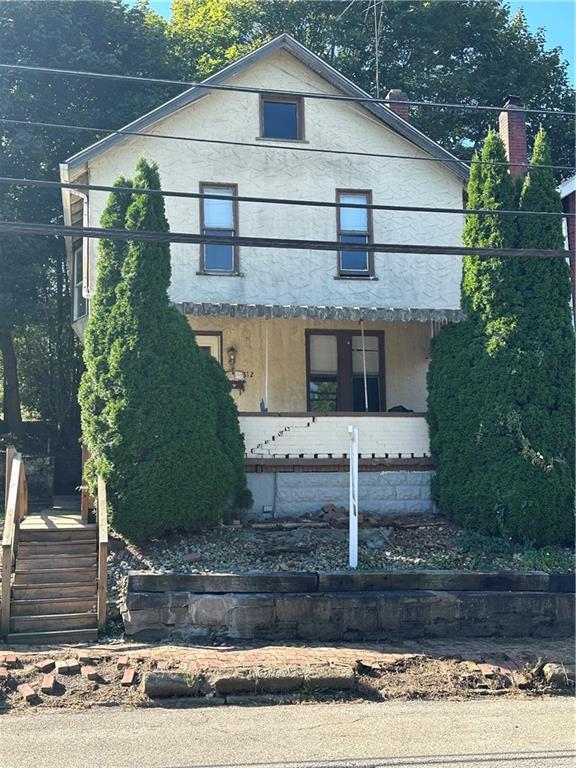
(407, 543)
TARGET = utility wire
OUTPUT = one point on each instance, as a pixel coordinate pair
(45, 183)
(126, 132)
(275, 92)
(30, 228)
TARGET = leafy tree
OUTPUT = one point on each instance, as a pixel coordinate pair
(461, 51)
(501, 383)
(34, 302)
(167, 461)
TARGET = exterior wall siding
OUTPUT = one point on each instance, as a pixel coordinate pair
(297, 277)
(406, 349)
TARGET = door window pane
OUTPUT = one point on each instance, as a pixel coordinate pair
(323, 353)
(359, 397)
(280, 119)
(371, 355)
(323, 393)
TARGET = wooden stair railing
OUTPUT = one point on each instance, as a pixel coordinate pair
(102, 512)
(16, 509)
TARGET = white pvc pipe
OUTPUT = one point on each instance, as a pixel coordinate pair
(266, 364)
(353, 513)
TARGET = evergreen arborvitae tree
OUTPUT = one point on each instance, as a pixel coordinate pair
(228, 432)
(164, 464)
(94, 388)
(496, 404)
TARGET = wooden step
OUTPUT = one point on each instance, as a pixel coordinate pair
(54, 637)
(54, 622)
(43, 562)
(26, 548)
(55, 576)
(49, 606)
(84, 533)
(53, 591)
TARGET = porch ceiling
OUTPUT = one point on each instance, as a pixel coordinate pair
(304, 312)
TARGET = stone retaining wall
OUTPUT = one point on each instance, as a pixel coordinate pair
(349, 606)
(40, 477)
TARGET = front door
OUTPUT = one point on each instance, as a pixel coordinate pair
(345, 371)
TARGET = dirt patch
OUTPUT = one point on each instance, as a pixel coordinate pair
(422, 677)
(371, 673)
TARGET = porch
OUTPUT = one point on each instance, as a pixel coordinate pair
(299, 382)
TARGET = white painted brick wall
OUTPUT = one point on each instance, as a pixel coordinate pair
(378, 435)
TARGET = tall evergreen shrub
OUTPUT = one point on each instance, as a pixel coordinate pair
(165, 460)
(95, 386)
(499, 383)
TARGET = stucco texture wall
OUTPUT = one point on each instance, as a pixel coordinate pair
(406, 347)
(297, 277)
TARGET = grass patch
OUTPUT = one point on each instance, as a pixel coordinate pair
(485, 552)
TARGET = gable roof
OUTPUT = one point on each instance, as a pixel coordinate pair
(314, 62)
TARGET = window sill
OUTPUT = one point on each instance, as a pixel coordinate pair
(355, 277)
(281, 141)
(207, 273)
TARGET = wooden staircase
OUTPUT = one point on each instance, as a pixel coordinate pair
(55, 583)
(53, 569)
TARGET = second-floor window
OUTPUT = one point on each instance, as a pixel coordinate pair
(354, 227)
(79, 302)
(219, 217)
(281, 118)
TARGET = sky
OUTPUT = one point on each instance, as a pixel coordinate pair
(557, 17)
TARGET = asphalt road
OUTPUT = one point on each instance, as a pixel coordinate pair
(506, 734)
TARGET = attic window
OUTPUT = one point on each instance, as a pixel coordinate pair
(281, 118)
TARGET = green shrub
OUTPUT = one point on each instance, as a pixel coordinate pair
(170, 457)
(500, 384)
(95, 385)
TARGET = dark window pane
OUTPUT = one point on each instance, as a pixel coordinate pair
(358, 395)
(323, 394)
(218, 257)
(280, 120)
(353, 261)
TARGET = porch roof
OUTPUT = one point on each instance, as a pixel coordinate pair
(294, 311)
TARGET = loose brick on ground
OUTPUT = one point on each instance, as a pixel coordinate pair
(9, 660)
(48, 684)
(45, 666)
(4, 674)
(73, 666)
(488, 670)
(123, 661)
(162, 664)
(128, 677)
(89, 672)
(27, 692)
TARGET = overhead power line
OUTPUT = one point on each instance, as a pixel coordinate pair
(31, 228)
(345, 152)
(45, 183)
(275, 92)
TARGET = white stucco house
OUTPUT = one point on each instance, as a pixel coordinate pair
(313, 340)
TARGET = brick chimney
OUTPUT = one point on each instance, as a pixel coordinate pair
(402, 110)
(512, 127)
